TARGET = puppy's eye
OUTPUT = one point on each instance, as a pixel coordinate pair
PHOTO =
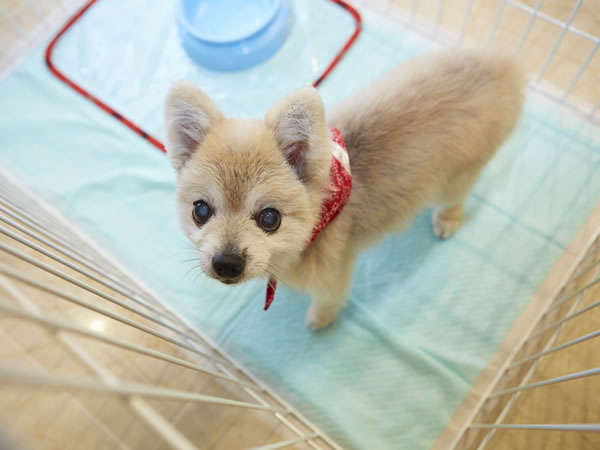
(201, 212)
(269, 219)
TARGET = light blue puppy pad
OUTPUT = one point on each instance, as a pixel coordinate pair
(424, 316)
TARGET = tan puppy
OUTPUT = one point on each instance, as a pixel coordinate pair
(250, 191)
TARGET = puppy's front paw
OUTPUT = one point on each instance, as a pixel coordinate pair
(446, 221)
(317, 318)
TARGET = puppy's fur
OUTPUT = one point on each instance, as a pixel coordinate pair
(417, 137)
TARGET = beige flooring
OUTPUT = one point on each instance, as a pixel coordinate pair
(64, 420)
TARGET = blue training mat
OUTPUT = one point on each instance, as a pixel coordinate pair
(424, 316)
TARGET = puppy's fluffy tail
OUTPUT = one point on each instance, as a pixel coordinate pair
(506, 81)
(512, 83)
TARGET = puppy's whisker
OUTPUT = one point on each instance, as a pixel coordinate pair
(269, 268)
(190, 271)
(191, 260)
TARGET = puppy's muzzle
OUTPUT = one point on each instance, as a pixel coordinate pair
(228, 266)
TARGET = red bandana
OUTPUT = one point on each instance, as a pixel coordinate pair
(340, 185)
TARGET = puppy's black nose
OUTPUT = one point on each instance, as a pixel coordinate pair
(228, 265)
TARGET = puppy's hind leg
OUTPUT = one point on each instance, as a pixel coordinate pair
(447, 215)
(446, 220)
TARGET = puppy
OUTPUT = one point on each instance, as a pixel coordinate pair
(250, 192)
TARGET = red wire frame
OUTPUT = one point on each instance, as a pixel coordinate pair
(131, 125)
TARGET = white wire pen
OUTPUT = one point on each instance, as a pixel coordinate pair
(45, 261)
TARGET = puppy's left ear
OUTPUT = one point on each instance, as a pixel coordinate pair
(189, 115)
(298, 124)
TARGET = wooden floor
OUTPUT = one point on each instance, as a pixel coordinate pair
(60, 420)
(565, 403)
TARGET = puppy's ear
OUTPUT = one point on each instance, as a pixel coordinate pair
(298, 123)
(189, 114)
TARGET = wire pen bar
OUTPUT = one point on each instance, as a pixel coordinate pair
(585, 269)
(71, 266)
(579, 291)
(585, 427)
(192, 348)
(568, 344)
(56, 325)
(465, 23)
(535, 13)
(582, 68)
(24, 218)
(27, 378)
(515, 395)
(497, 21)
(162, 426)
(281, 417)
(21, 214)
(53, 229)
(561, 36)
(116, 277)
(71, 255)
(29, 221)
(565, 319)
(22, 256)
(572, 376)
(63, 248)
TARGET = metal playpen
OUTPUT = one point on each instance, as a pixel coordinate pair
(91, 358)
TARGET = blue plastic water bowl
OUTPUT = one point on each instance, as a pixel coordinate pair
(233, 34)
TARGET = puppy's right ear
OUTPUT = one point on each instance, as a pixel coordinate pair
(189, 114)
(298, 124)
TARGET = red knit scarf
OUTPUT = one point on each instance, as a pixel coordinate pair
(340, 185)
